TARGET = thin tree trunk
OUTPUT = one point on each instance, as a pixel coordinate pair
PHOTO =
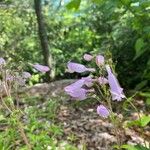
(44, 40)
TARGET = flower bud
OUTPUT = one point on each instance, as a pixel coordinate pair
(99, 60)
(88, 57)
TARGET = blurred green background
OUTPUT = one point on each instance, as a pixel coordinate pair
(75, 27)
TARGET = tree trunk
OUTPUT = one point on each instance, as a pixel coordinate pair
(44, 40)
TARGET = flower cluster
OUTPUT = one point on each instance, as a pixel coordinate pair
(17, 77)
(93, 85)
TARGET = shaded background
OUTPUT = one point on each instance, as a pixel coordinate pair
(72, 28)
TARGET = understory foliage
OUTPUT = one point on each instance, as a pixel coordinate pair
(21, 119)
(76, 27)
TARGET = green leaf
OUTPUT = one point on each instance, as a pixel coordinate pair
(139, 48)
(144, 120)
(127, 2)
(145, 94)
(98, 1)
(136, 147)
(128, 147)
(141, 85)
(133, 123)
(74, 4)
(148, 101)
(2, 118)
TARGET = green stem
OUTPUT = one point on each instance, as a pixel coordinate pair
(140, 120)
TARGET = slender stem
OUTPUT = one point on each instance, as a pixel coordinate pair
(5, 105)
(8, 94)
(114, 123)
(20, 126)
(21, 129)
(100, 92)
(140, 120)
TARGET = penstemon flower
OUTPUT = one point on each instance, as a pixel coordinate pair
(115, 89)
(104, 87)
(79, 68)
(88, 81)
(41, 68)
(100, 60)
(102, 80)
(103, 111)
(94, 85)
(88, 57)
(76, 89)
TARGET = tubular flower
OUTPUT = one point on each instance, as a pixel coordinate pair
(103, 111)
(102, 80)
(88, 57)
(100, 60)
(75, 67)
(76, 91)
(115, 89)
(41, 68)
(88, 81)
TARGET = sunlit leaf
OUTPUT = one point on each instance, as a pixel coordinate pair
(144, 120)
(74, 4)
(132, 147)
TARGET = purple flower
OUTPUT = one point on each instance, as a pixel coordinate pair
(75, 90)
(115, 89)
(102, 80)
(26, 75)
(99, 60)
(88, 81)
(75, 67)
(103, 111)
(88, 57)
(41, 68)
(77, 84)
(2, 61)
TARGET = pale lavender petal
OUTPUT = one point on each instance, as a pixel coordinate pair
(76, 85)
(116, 96)
(2, 61)
(26, 75)
(100, 60)
(115, 89)
(75, 67)
(88, 81)
(102, 80)
(41, 68)
(75, 89)
(76, 93)
(88, 57)
(103, 111)
(80, 94)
